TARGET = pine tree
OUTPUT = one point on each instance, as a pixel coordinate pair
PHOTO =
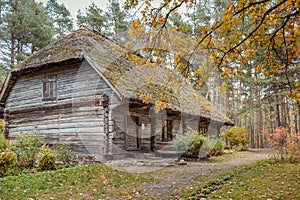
(93, 19)
(60, 17)
(3, 74)
(25, 29)
(116, 25)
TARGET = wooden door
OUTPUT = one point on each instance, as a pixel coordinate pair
(132, 133)
(167, 134)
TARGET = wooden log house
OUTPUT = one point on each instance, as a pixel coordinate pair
(81, 89)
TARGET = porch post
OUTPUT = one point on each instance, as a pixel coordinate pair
(153, 129)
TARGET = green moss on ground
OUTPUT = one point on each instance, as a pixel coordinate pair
(261, 181)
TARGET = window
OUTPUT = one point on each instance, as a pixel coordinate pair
(49, 87)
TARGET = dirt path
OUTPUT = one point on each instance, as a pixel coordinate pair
(169, 179)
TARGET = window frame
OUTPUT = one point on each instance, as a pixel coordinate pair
(49, 88)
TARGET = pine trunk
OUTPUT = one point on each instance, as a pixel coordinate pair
(289, 116)
(251, 123)
(298, 102)
(296, 118)
(277, 114)
(283, 113)
(259, 137)
(12, 50)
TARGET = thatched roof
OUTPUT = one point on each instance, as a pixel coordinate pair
(128, 80)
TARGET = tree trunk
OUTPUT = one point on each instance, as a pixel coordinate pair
(298, 103)
(32, 49)
(238, 102)
(227, 107)
(251, 123)
(260, 129)
(288, 115)
(271, 120)
(232, 93)
(19, 50)
(259, 124)
(296, 118)
(245, 121)
(283, 113)
(277, 114)
(12, 50)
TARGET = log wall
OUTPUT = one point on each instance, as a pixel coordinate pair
(75, 116)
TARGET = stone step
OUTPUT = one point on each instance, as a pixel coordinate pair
(154, 158)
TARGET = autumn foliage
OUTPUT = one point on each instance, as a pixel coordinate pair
(263, 33)
(236, 137)
(286, 145)
(7, 156)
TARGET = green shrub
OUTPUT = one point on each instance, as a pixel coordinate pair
(3, 143)
(190, 142)
(64, 153)
(198, 146)
(218, 149)
(207, 146)
(7, 159)
(46, 158)
(236, 137)
(183, 142)
(27, 149)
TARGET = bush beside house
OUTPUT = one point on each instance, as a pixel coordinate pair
(28, 153)
(196, 145)
(236, 138)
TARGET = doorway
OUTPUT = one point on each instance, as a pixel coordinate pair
(132, 136)
(167, 134)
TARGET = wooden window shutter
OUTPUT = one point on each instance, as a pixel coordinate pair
(49, 87)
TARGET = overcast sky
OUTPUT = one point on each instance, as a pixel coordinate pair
(74, 5)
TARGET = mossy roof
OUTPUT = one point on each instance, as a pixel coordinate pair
(129, 80)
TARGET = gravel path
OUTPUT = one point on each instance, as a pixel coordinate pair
(169, 179)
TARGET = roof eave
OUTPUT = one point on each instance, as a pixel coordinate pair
(4, 87)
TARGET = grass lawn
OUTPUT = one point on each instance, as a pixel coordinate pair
(81, 182)
(96, 181)
(261, 181)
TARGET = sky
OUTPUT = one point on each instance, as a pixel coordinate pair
(74, 5)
